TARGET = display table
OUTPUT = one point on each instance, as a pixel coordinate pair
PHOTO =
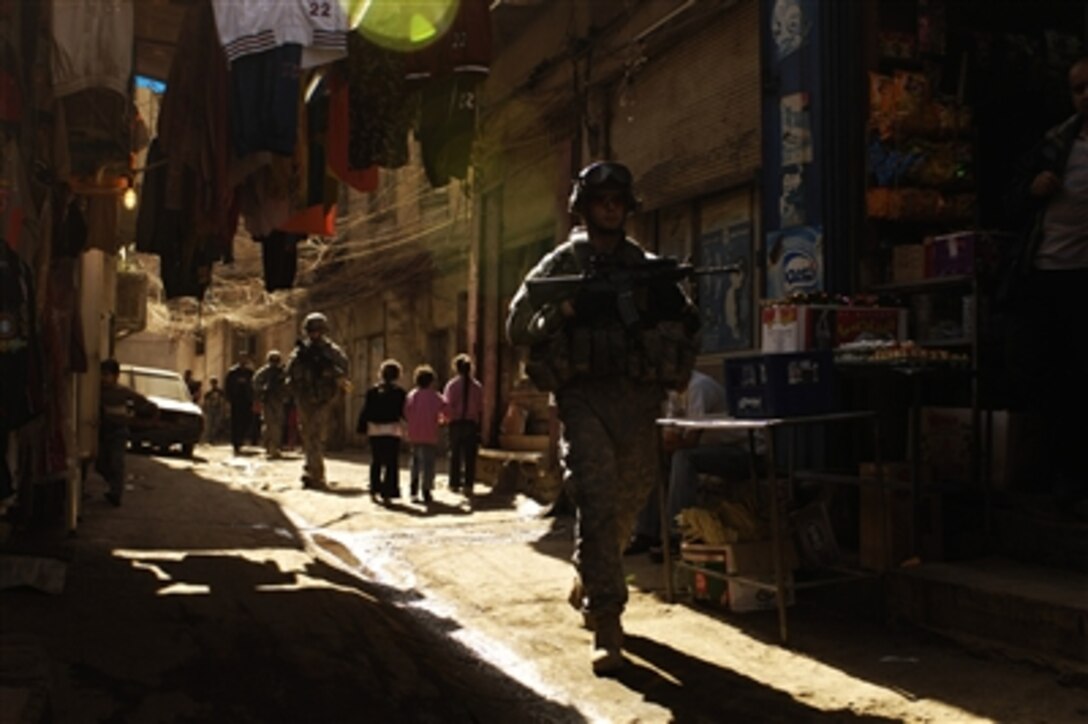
(780, 493)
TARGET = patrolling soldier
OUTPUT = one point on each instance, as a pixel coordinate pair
(270, 390)
(609, 360)
(316, 372)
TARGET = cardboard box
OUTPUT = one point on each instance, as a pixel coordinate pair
(1016, 446)
(754, 559)
(816, 542)
(806, 327)
(885, 542)
(745, 557)
(908, 263)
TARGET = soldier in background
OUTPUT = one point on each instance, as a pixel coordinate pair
(270, 389)
(609, 379)
(215, 407)
(316, 372)
(239, 388)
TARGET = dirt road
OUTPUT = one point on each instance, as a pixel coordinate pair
(222, 591)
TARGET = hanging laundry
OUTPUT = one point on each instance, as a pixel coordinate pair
(246, 27)
(465, 48)
(13, 200)
(279, 256)
(197, 154)
(99, 122)
(185, 270)
(20, 356)
(320, 191)
(337, 138)
(158, 227)
(379, 112)
(447, 126)
(264, 101)
(92, 45)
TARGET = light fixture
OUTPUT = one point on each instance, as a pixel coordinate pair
(129, 198)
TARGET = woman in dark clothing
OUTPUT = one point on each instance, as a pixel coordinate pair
(381, 420)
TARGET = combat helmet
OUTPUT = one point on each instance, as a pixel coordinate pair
(601, 176)
(315, 322)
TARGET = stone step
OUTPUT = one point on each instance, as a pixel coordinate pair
(1039, 536)
(1023, 610)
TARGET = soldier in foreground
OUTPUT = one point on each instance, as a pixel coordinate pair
(270, 390)
(609, 357)
(316, 372)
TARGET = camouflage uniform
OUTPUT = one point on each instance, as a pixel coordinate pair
(315, 372)
(609, 383)
(270, 389)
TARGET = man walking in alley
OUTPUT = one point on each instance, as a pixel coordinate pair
(119, 406)
(609, 358)
(270, 389)
(464, 409)
(1051, 197)
(316, 372)
(239, 385)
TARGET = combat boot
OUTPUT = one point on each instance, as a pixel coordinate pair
(607, 654)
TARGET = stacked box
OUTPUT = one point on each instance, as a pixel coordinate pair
(908, 263)
(754, 559)
(803, 327)
(780, 385)
(885, 543)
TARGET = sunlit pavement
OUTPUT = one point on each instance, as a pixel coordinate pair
(222, 589)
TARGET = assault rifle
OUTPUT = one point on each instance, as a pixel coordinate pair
(612, 280)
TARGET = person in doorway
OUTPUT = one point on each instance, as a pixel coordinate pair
(382, 421)
(317, 371)
(609, 375)
(192, 385)
(215, 408)
(423, 412)
(1050, 356)
(464, 411)
(691, 453)
(118, 407)
(270, 390)
(239, 388)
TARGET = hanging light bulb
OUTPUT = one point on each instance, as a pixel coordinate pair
(128, 200)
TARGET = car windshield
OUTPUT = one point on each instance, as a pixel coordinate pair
(152, 385)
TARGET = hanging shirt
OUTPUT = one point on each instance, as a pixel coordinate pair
(447, 126)
(464, 48)
(253, 26)
(20, 359)
(92, 45)
(380, 115)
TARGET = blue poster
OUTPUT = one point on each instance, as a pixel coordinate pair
(794, 261)
(725, 299)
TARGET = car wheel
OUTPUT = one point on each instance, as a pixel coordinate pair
(187, 449)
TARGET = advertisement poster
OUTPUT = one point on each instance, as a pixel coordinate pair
(725, 300)
(794, 261)
(796, 132)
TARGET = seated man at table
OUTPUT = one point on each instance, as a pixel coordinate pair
(693, 452)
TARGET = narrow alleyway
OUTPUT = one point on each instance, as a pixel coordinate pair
(222, 591)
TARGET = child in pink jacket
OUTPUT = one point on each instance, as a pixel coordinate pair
(422, 411)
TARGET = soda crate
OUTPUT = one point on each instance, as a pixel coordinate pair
(780, 385)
